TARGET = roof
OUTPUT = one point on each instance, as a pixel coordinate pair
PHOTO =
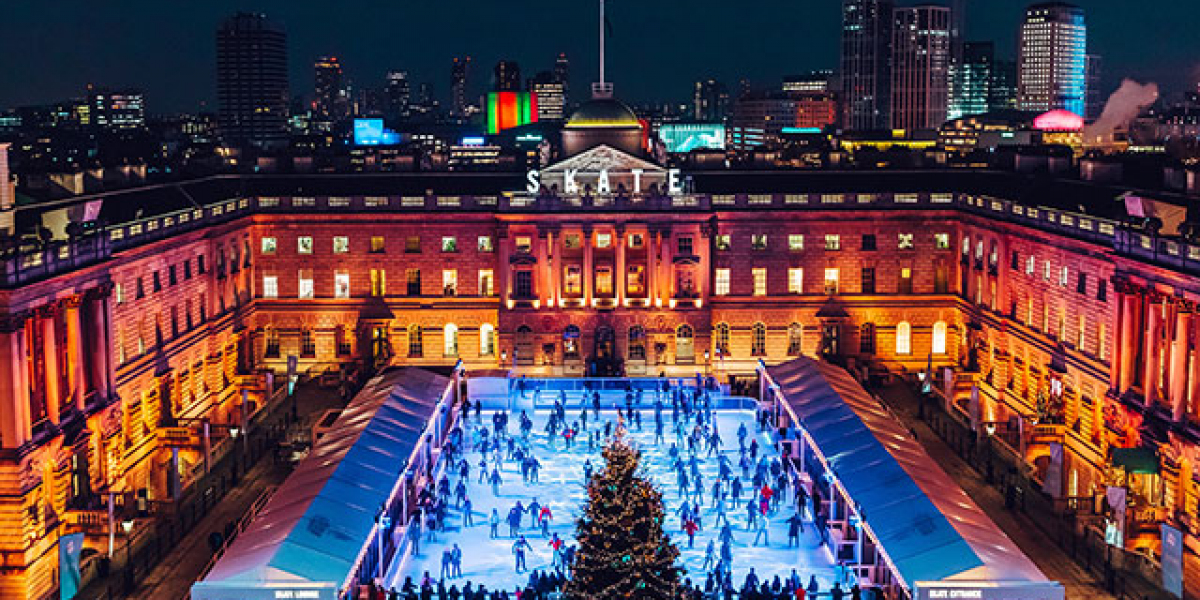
(313, 528)
(927, 525)
(603, 112)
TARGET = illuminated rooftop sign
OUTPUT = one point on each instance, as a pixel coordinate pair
(1058, 120)
(506, 110)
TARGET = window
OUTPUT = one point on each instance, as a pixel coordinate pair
(603, 240)
(724, 242)
(939, 337)
(1082, 333)
(966, 248)
(903, 338)
(684, 245)
(868, 242)
(1101, 339)
(171, 278)
(604, 281)
(1081, 285)
(758, 340)
(449, 282)
(866, 338)
(868, 280)
(449, 243)
(270, 286)
(415, 344)
(200, 264)
(377, 244)
(795, 281)
(343, 341)
(524, 244)
(341, 284)
(412, 244)
(268, 245)
(412, 282)
(795, 339)
(906, 282)
(636, 240)
(308, 346)
(305, 289)
(571, 342)
(635, 281)
(487, 283)
(523, 286)
(1102, 290)
(341, 244)
(758, 241)
(157, 281)
(573, 280)
(941, 241)
(637, 343)
(721, 287)
(272, 343)
(904, 241)
(450, 340)
(831, 281)
(722, 340)
(760, 281)
(1030, 265)
(187, 269)
(796, 242)
(119, 293)
(487, 340)
(833, 241)
(1064, 276)
(304, 245)
(378, 283)
(1047, 273)
(570, 241)
(1016, 260)
(485, 244)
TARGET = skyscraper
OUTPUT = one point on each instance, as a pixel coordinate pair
(329, 98)
(397, 94)
(1003, 92)
(1052, 64)
(710, 101)
(459, 70)
(551, 96)
(116, 109)
(971, 78)
(252, 81)
(920, 66)
(813, 81)
(866, 37)
(507, 76)
(1094, 100)
(562, 74)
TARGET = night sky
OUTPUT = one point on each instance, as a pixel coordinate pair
(53, 49)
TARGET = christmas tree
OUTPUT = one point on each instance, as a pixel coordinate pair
(623, 550)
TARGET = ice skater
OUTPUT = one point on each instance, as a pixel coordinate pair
(468, 520)
(518, 549)
(763, 532)
(795, 528)
(710, 555)
(494, 521)
(495, 480)
(456, 561)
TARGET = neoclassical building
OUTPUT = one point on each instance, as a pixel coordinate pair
(1072, 326)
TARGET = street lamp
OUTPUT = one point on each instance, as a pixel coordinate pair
(127, 527)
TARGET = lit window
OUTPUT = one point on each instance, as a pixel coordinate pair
(378, 282)
(341, 244)
(795, 281)
(573, 280)
(412, 245)
(724, 242)
(939, 337)
(484, 243)
(831, 281)
(833, 241)
(758, 241)
(941, 241)
(268, 245)
(722, 339)
(603, 240)
(524, 244)
(722, 282)
(1030, 265)
(1046, 271)
(270, 286)
(487, 340)
(449, 282)
(758, 340)
(635, 280)
(450, 340)
(570, 241)
(305, 290)
(904, 241)
(795, 339)
(486, 283)
(1063, 275)
(377, 244)
(604, 281)
(796, 242)
(341, 284)
(119, 292)
(760, 281)
(903, 338)
(304, 245)
(449, 244)
(636, 240)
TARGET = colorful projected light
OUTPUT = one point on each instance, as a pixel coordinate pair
(1058, 120)
(372, 132)
(506, 110)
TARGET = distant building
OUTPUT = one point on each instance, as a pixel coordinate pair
(562, 74)
(920, 67)
(551, 96)
(710, 102)
(866, 36)
(1003, 92)
(252, 81)
(811, 82)
(759, 122)
(330, 102)
(397, 94)
(507, 76)
(459, 71)
(1052, 59)
(971, 78)
(1095, 98)
(116, 109)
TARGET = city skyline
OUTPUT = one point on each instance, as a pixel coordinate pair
(137, 47)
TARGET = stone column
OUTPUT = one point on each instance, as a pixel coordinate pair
(50, 359)
(75, 350)
(541, 282)
(1114, 363)
(619, 275)
(589, 278)
(101, 343)
(504, 269)
(556, 267)
(651, 267)
(668, 280)
(1130, 313)
(1179, 364)
(1151, 348)
(1193, 386)
(703, 249)
(14, 390)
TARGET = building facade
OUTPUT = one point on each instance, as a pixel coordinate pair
(865, 55)
(1052, 63)
(252, 81)
(920, 67)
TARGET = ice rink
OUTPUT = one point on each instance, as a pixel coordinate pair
(561, 487)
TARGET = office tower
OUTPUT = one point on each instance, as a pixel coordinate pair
(562, 74)
(1003, 92)
(866, 38)
(330, 96)
(252, 81)
(507, 76)
(759, 121)
(551, 96)
(115, 109)
(711, 101)
(1052, 64)
(459, 71)
(920, 67)
(397, 93)
(813, 81)
(1094, 68)
(971, 80)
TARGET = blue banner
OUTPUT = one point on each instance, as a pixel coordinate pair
(69, 547)
(1172, 560)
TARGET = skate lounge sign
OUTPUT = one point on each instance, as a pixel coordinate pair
(989, 591)
(604, 170)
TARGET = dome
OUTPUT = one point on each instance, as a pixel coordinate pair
(603, 113)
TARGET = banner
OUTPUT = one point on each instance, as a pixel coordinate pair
(69, 547)
(1053, 482)
(1114, 531)
(1172, 560)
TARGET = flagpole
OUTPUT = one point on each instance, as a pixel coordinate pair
(601, 43)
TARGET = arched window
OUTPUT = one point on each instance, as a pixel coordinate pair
(723, 338)
(637, 343)
(903, 338)
(415, 345)
(939, 337)
(758, 340)
(272, 345)
(795, 339)
(571, 341)
(866, 338)
(685, 344)
(487, 340)
(450, 340)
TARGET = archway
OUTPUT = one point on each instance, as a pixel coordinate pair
(685, 345)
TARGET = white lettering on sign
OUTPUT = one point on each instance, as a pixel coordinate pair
(534, 179)
(964, 594)
(674, 183)
(296, 594)
(637, 180)
(570, 186)
(602, 184)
